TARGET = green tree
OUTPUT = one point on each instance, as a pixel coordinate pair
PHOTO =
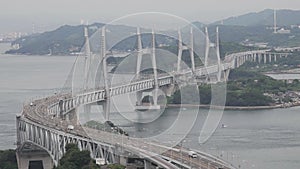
(116, 166)
(76, 159)
(8, 159)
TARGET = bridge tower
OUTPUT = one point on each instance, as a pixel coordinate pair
(182, 47)
(155, 94)
(192, 49)
(207, 47)
(139, 53)
(152, 52)
(218, 55)
(87, 58)
(139, 94)
(180, 50)
(87, 65)
(106, 103)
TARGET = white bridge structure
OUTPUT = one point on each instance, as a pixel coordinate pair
(42, 126)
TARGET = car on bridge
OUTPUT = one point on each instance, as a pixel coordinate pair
(193, 154)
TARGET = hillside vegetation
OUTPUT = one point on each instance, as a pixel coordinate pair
(252, 28)
(8, 159)
(265, 17)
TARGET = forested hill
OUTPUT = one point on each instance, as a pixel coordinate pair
(256, 34)
(64, 40)
(265, 17)
(70, 39)
(247, 30)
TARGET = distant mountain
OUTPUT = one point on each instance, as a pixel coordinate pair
(198, 24)
(70, 39)
(247, 30)
(255, 34)
(265, 17)
(63, 40)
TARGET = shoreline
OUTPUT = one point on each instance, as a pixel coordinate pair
(286, 105)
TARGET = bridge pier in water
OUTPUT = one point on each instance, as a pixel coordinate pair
(151, 104)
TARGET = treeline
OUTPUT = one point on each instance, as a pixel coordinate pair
(8, 159)
(227, 48)
(73, 159)
(245, 88)
(241, 97)
(76, 159)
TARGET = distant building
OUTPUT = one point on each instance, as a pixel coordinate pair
(284, 31)
(261, 44)
(16, 46)
(294, 26)
(249, 43)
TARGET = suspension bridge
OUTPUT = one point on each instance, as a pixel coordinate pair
(42, 126)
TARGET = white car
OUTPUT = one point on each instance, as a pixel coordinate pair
(193, 154)
(70, 127)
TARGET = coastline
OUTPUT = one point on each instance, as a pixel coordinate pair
(286, 105)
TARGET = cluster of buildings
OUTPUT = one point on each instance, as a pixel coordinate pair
(9, 37)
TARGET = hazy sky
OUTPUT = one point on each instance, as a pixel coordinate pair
(18, 15)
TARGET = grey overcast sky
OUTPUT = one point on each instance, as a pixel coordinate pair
(19, 15)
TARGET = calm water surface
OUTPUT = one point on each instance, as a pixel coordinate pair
(254, 139)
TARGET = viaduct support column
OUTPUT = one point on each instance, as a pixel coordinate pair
(238, 62)
(241, 60)
(72, 116)
(147, 164)
(226, 74)
(28, 159)
(139, 97)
